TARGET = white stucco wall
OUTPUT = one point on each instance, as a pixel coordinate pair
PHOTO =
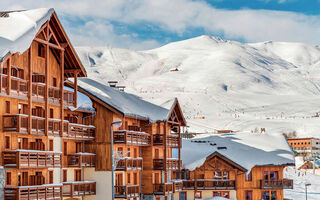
(103, 183)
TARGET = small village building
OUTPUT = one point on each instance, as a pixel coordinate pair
(240, 166)
(306, 147)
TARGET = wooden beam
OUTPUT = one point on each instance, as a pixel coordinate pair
(75, 90)
(30, 90)
(54, 36)
(46, 93)
(74, 71)
(61, 91)
(165, 146)
(8, 62)
(49, 44)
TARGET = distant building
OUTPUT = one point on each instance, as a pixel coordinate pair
(235, 166)
(305, 146)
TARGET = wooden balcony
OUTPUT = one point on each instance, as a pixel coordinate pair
(172, 140)
(31, 159)
(38, 91)
(127, 164)
(163, 188)
(131, 138)
(171, 164)
(54, 95)
(277, 184)
(68, 98)
(81, 160)
(209, 184)
(19, 86)
(18, 123)
(78, 188)
(177, 186)
(126, 191)
(35, 192)
(79, 132)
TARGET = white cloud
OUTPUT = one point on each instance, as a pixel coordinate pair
(177, 16)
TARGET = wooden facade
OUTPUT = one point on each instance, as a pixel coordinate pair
(142, 151)
(36, 120)
(219, 176)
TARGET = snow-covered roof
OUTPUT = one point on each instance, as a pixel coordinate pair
(245, 149)
(125, 103)
(19, 29)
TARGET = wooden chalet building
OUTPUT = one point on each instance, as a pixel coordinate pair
(146, 147)
(235, 166)
(43, 126)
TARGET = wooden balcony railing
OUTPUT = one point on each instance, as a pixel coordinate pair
(79, 132)
(277, 184)
(126, 191)
(171, 164)
(172, 140)
(19, 123)
(38, 90)
(129, 164)
(54, 94)
(82, 160)
(78, 188)
(163, 188)
(177, 186)
(209, 184)
(31, 159)
(35, 192)
(18, 86)
(131, 138)
(68, 98)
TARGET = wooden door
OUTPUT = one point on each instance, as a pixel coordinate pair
(51, 145)
(79, 147)
(156, 154)
(24, 178)
(119, 179)
(50, 177)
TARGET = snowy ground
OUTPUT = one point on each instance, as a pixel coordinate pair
(224, 85)
(300, 179)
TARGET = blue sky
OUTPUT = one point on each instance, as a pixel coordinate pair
(146, 24)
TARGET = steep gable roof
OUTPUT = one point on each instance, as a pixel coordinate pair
(19, 29)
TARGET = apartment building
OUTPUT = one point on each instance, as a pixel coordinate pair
(306, 147)
(239, 166)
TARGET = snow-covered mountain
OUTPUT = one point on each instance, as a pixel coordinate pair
(221, 84)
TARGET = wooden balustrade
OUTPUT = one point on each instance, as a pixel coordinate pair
(19, 86)
(78, 188)
(19, 123)
(131, 138)
(79, 132)
(172, 140)
(54, 94)
(129, 164)
(171, 164)
(31, 159)
(126, 191)
(68, 98)
(35, 192)
(163, 188)
(209, 184)
(177, 186)
(81, 160)
(38, 90)
(277, 184)
(4, 82)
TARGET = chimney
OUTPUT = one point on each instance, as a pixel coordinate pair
(121, 88)
(113, 83)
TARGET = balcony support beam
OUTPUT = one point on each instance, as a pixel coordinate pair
(30, 90)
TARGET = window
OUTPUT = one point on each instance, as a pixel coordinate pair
(249, 176)
(65, 175)
(50, 177)
(129, 178)
(20, 108)
(183, 196)
(120, 150)
(273, 195)
(217, 175)
(65, 148)
(7, 141)
(265, 195)
(225, 175)
(217, 194)
(50, 145)
(79, 147)
(54, 82)
(77, 174)
(129, 152)
(51, 113)
(41, 50)
(248, 195)
(198, 195)
(8, 178)
(7, 106)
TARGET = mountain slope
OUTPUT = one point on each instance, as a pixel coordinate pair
(221, 84)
